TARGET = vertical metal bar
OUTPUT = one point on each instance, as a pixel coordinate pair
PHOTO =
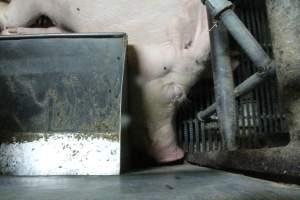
(185, 133)
(255, 109)
(271, 90)
(179, 134)
(224, 86)
(221, 145)
(252, 22)
(197, 136)
(222, 9)
(203, 138)
(191, 136)
(214, 141)
(261, 95)
(209, 128)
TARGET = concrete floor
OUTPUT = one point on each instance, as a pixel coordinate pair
(184, 182)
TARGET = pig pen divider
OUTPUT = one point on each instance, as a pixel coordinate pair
(222, 12)
(261, 122)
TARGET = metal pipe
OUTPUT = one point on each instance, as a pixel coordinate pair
(224, 85)
(222, 10)
(245, 39)
(242, 89)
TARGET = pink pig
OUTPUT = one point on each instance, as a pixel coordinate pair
(170, 39)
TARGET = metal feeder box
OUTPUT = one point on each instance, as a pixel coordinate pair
(61, 99)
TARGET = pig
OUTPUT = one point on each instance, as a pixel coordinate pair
(170, 39)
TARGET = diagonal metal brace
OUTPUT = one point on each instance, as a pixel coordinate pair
(222, 10)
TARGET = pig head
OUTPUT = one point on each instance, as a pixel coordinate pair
(170, 40)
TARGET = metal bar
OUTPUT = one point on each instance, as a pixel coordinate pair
(203, 138)
(224, 86)
(245, 39)
(242, 89)
(197, 135)
(256, 116)
(191, 136)
(222, 10)
(186, 135)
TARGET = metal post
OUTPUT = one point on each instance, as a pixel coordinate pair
(224, 85)
(222, 10)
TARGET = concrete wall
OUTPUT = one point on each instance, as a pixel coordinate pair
(285, 30)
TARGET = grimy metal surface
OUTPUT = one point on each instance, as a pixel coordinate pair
(223, 12)
(261, 122)
(61, 83)
(224, 84)
(61, 104)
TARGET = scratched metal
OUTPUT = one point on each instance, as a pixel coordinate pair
(61, 83)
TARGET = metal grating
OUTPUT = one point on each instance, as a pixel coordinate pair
(260, 120)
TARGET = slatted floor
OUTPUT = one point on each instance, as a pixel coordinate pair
(184, 182)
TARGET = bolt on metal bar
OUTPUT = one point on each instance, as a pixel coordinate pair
(222, 10)
(224, 85)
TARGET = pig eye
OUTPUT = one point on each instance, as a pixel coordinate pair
(165, 68)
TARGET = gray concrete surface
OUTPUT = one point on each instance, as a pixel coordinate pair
(185, 182)
(285, 31)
